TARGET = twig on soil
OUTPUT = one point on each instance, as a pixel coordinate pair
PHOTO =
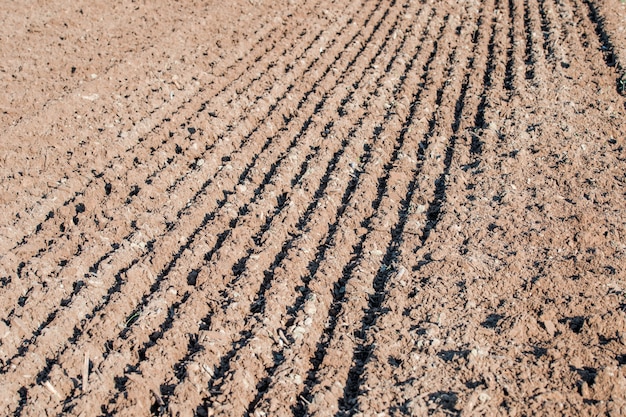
(86, 372)
(158, 398)
(53, 390)
(132, 319)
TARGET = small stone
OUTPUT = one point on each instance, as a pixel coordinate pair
(584, 390)
(438, 255)
(4, 330)
(310, 309)
(299, 332)
(550, 327)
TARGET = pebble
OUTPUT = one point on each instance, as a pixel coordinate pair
(310, 309)
(299, 332)
(550, 327)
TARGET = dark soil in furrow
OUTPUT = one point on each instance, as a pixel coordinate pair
(325, 208)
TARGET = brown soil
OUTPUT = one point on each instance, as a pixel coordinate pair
(327, 207)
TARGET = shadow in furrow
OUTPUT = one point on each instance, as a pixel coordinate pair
(546, 30)
(479, 123)
(530, 54)
(607, 46)
(509, 72)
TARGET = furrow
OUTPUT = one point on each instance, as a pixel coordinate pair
(151, 190)
(530, 52)
(495, 68)
(198, 229)
(159, 153)
(123, 136)
(547, 31)
(536, 44)
(230, 251)
(298, 353)
(512, 47)
(324, 395)
(92, 259)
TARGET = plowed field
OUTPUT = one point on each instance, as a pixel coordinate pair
(325, 208)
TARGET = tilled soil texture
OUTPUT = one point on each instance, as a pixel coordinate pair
(325, 208)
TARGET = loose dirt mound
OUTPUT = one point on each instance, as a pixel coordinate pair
(328, 207)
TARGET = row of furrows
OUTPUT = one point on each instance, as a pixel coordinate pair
(406, 223)
(67, 296)
(150, 157)
(606, 45)
(28, 222)
(260, 52)
(206, 219)
(337, 273)
(59, 222)
(230, 382)
(295, 271)
(458, 125)
(295, 200)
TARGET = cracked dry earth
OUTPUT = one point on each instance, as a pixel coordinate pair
(324, 208)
